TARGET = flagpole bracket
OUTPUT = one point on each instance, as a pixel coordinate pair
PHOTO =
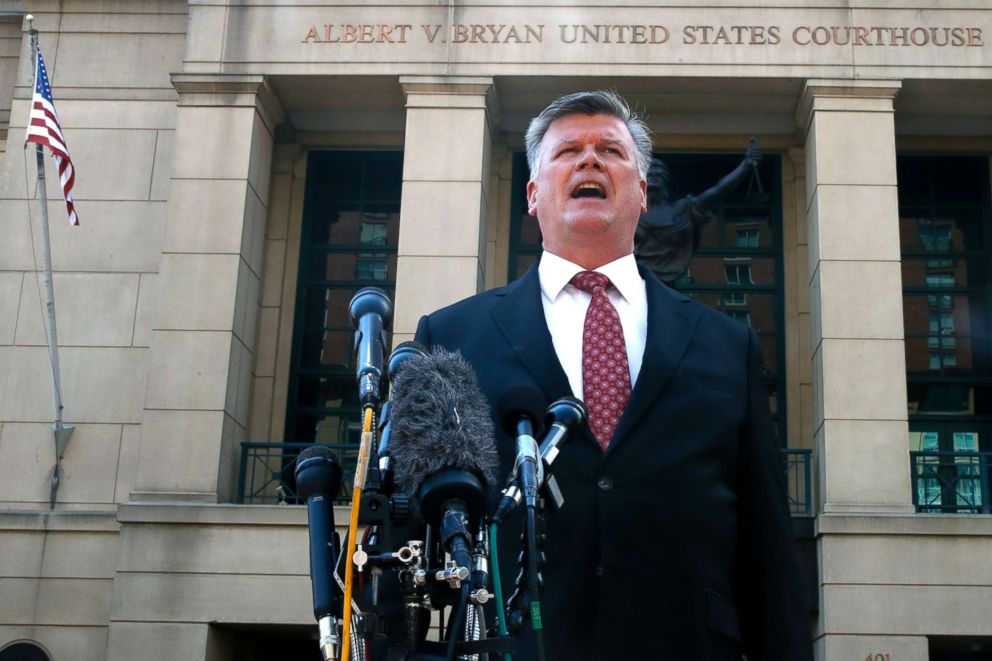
(62, 435)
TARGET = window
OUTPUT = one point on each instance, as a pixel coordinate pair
(738, 274)
(733, 298)
(747, 238)
(935, 239)
(740, 316)
(349, 238)
(373, 232)
(367, 268)
(944, 210)
(941, 330)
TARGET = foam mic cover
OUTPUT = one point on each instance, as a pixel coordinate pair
(440, 420)
(401, 354)
(521, 401)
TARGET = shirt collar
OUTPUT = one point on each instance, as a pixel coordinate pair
(555, 273)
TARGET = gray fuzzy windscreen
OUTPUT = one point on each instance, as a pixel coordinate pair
(439, 420)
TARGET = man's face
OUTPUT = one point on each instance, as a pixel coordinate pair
(588, 194)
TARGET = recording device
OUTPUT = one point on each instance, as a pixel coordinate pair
(371, 314)
(431, 483)
(443, 456)
(442, 446)
(563, 420)
(519, 413)
(318, 479)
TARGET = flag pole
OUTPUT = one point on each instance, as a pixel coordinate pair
(61, 431)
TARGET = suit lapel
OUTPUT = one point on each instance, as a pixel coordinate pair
(671, 322)
(520, 318)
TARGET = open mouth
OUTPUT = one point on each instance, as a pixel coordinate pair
(589, 189)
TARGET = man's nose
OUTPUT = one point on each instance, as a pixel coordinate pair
(590, 159)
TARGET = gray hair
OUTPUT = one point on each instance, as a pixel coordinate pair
(599, 102)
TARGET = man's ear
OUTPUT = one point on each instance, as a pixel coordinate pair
(644, 195)
(532, 198)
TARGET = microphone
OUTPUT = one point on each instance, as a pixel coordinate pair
(442, 447)
(318, 479)
(519, 413)
(563, 419)
(403, 352)
(371, 313)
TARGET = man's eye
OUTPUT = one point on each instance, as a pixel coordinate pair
(612, 150)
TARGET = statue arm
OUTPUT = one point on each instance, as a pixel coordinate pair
(728, 183)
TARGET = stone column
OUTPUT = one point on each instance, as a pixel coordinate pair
(203, 342)
(859, 371)
(442, 243)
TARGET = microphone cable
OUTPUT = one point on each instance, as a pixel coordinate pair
(457, 621)
(498, 586)
(368, 424)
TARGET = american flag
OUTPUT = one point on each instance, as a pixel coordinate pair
(44, 129)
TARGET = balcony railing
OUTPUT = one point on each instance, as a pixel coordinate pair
(266, 476)
(951, 482)
(799, 485)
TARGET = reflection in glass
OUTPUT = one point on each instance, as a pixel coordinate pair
(944, 207)
(350, 236)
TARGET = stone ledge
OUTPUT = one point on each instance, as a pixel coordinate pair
(904, 524)
(229, 515)
(46, 520)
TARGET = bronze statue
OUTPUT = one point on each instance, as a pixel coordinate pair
(668, 232)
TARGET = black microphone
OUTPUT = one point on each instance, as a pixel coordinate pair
(318, 479)
(563, 421)
(371, 313)
(520, 412)
(442, 446)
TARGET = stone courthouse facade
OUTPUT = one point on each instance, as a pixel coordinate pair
(244, 165)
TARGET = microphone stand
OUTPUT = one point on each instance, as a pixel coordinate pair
(525, 602)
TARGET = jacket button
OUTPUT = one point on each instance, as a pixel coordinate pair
(604, 483)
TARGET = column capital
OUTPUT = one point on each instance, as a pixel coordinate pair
(467, 92)
(213, 90)
(844, 94)
(447, 85)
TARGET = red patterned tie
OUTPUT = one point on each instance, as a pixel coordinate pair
(605, 373)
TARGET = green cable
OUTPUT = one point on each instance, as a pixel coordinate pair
(498, 587)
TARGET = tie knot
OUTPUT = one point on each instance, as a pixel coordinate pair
(591, 282)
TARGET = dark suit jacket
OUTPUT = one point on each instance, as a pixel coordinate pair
(676, 543)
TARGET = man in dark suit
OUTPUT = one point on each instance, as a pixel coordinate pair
(674, 541)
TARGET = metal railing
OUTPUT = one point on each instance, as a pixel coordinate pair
(266, 475)
(951, 482)
(798, 479)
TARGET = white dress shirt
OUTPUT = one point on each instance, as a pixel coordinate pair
(565, 311)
